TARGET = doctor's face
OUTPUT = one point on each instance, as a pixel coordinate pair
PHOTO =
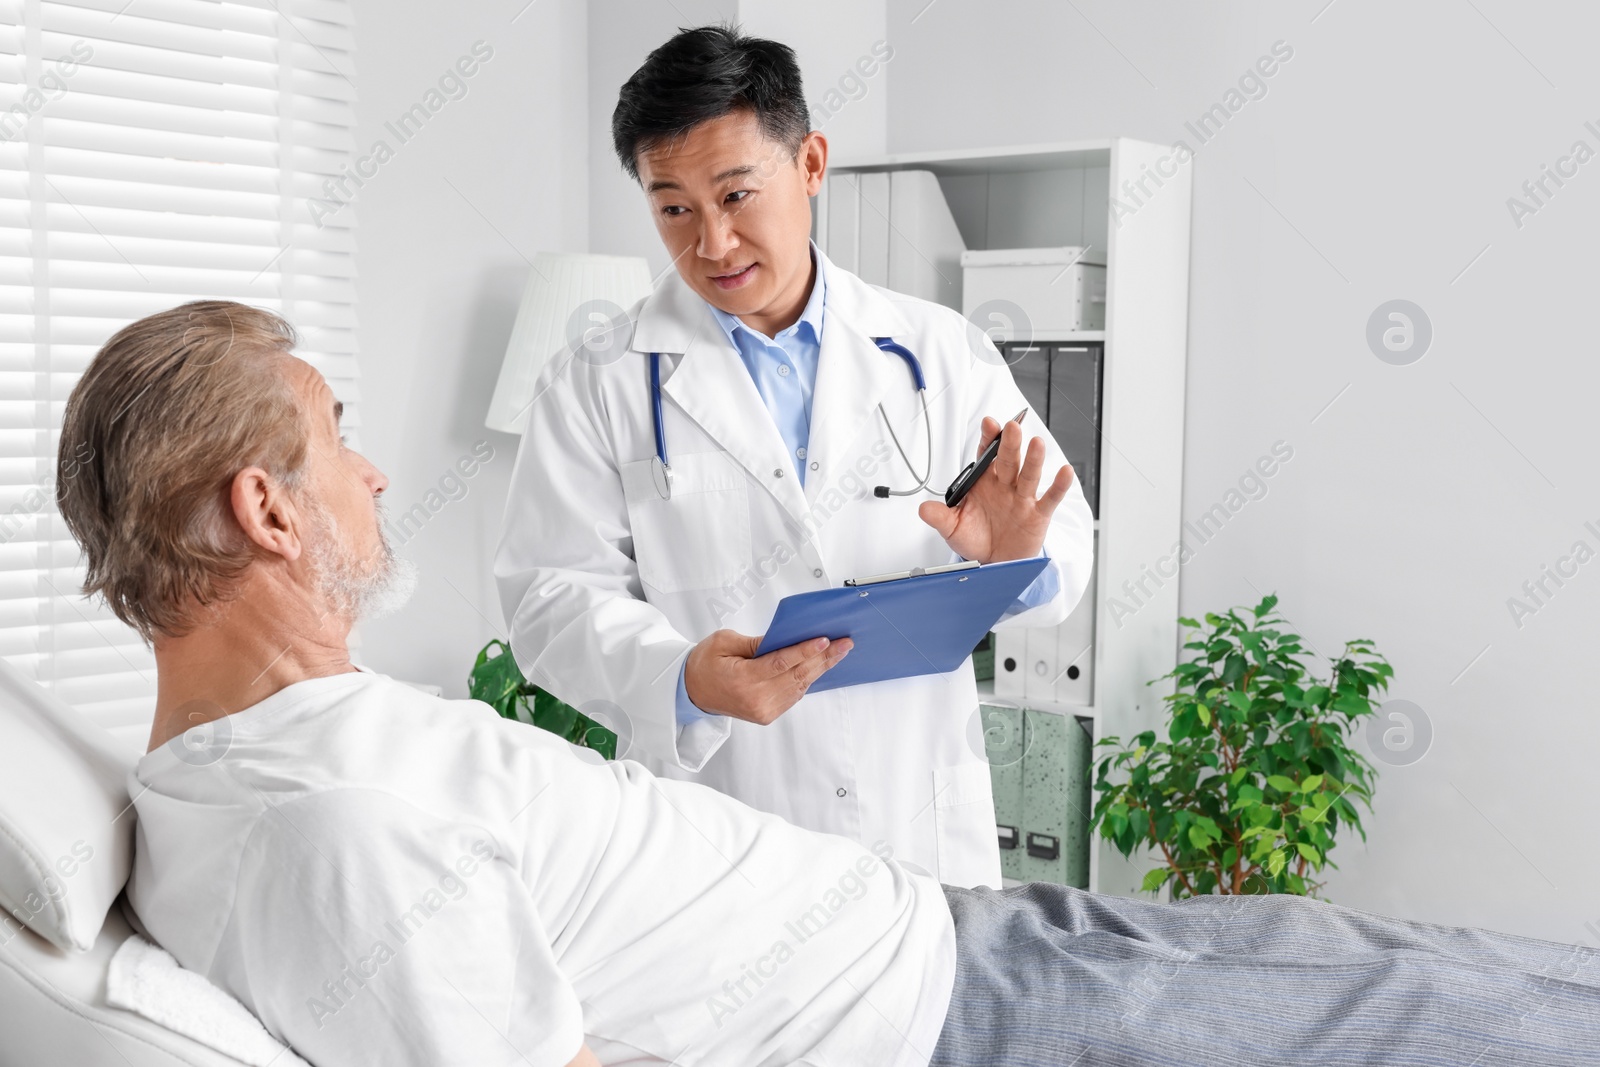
(733, 208)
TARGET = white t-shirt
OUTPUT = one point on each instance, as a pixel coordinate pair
(387, 877)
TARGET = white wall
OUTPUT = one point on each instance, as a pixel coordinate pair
(447, 228)
(1376, 167)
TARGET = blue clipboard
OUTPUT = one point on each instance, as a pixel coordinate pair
(927, 624)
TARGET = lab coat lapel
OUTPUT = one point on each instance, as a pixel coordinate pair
(711, 384)
(853, 374)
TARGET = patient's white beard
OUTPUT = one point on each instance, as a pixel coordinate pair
(348, 586)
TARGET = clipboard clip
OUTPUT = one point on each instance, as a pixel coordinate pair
(914, 572)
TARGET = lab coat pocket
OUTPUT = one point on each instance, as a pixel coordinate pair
(698, 539)
(963, 816)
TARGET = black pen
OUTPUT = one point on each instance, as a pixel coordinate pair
(974, 470)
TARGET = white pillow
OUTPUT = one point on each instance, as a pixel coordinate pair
(66, 830)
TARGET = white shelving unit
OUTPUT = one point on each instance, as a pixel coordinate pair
(1061, 194)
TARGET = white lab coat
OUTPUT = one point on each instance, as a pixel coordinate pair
(608, 586)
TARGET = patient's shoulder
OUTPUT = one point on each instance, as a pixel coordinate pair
(416, 719)
(399, 711)
(455, 758)
(320, 825)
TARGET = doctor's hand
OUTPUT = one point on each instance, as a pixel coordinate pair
(1002, 517)
(724, 676)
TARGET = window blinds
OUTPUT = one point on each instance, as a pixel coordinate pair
(151, 152)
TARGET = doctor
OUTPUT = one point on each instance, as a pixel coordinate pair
(779, 417)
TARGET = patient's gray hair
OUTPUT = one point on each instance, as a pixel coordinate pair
(168, 412)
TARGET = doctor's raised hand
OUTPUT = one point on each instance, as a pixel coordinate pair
(1002, 516)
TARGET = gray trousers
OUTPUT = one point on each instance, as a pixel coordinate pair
(1047, 975)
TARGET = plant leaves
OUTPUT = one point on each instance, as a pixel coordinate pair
(1256, 765)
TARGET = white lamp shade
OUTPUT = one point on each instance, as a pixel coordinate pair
(569, 295)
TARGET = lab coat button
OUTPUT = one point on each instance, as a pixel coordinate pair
(841, 790)
(817, 573)
(777, 472)
(815, 465)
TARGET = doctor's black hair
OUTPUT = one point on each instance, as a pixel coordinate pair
(703, 74)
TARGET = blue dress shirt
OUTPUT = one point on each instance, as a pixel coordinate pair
(784, 369)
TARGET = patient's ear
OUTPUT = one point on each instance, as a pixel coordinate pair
(266, 514)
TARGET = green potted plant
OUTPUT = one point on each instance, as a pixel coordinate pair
(498, 682)
(1256, 775)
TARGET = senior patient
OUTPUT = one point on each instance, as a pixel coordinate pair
(386, 877)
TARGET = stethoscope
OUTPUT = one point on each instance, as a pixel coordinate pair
(661, 469)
